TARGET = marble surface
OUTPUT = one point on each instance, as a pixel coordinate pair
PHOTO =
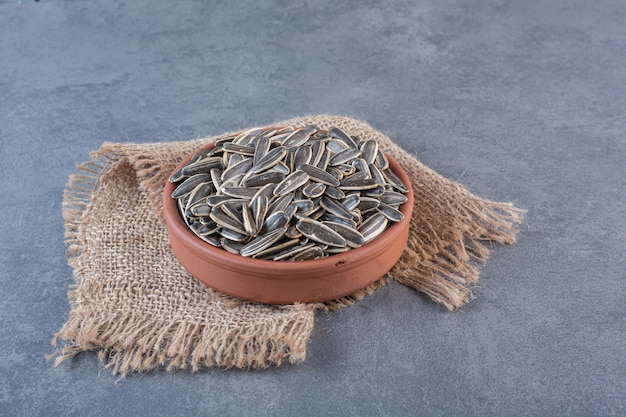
(518, 101)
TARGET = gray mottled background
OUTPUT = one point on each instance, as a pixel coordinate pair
(519, 101)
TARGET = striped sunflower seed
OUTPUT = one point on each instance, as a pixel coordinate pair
(189, 184)
(269, 160)
(319, 175)
(339, 134)
(352, 236)
(293, 181)
(373, 227)
(262, 242)
(319, 232)
(344, 156)
(314, 189)
(369, 150)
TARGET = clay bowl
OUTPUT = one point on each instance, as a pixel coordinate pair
(279, 282)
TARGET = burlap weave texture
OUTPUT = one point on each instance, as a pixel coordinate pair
(138, 308)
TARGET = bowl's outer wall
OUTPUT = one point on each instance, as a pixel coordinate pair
(274, 282)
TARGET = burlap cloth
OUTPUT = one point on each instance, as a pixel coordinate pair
(135, 306)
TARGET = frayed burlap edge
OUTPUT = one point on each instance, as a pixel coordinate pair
(448, 228)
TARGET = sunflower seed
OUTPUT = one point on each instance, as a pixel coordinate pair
(314, 252)
(376, 175)
(356, 182)
(375, 192)
(392, 198)
(265, 190)
(303, 156)
(317, 150)
(346, 170)
(334, 250)
(279, 137)
(276, 248)
(231, 246)
(304, 205)
(239, 168)
(200, 193)
(328, 217)
(290, 211)
(231, 182)
(233, 236)
(319, 232)
(315, 189)
(294, 180)
(334, 192)
(212, 240)
(177, 175)
(395, 182)
(267, 133)
(339, 134)
(280, 203)
(216, 177)
(200, 209)
(369, 150)
(182, 203)
(246, 136)
(297, 138)
(292, 251)
(367, 203)
(201, 153)
(360, 165)
(275, 221)
(351, 201)
(189, 184)
(261, 149)
(249, 222)
(319, 175)
(335, 172)
(232, 208)
(259, 206)
(372, 227)
(214, 200)
(201, 166)
(324, 160)
(332, 206)
(336, 145)
(290, 159)
(344, 156)
(240, 192)
(262, 242)
(204, 229)
(381, 161)
(230, 159)
(238, 148)
(281, 167)
(353, 237)
(226, 221)
(391, 213)
(269, 160)
(293, 233)
(263, 178)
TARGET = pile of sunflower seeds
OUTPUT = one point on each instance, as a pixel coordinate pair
(289, 194)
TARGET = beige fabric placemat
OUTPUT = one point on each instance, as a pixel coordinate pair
(135, 306)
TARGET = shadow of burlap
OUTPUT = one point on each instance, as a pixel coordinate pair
(138, 308)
